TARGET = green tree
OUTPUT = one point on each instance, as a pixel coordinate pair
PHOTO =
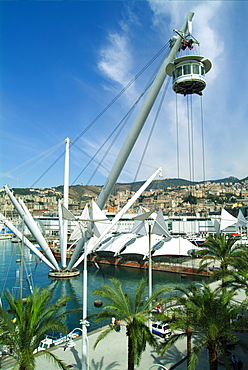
(26, 322)
(133, 312)
(206, 315)
(224, 249)
(191, 199)
(238, 279)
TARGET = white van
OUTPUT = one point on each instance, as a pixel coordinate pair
(161, 329)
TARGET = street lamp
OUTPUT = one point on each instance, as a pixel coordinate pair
(85, 347)
(143, 217)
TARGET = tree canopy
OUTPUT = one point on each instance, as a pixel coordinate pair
(133, 312)
(210, 314)
(26, 322)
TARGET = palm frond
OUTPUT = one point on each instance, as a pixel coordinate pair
(102, 336)
(23, 326)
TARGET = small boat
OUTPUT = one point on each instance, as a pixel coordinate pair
(50, 342)
(4, 235)
(196, 240)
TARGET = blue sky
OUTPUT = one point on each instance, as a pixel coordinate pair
(62, 63)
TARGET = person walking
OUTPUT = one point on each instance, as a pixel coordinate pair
(234, 361)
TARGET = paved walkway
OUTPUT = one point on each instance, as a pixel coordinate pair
(111, 354)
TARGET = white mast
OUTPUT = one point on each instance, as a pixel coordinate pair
(141, 117)
(63, 247)
(30, 223)
(61, 229)
(26, 241)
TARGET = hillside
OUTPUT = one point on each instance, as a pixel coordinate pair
(84, 192)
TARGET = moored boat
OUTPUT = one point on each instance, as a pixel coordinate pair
(49, 342)
(5, 236)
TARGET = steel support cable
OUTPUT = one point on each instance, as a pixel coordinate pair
(35, 164)
(127, 117)
(152, 128)
(203, 152)
(189, 146)
(106, 108)
(177, 140)
(30, 283)
(7, 274)
(178, 163)
(189, 143)
(44, 154)
(192, 139)
(192, 148)
(121, 93)
(48, 169)
(178, 153)
(91, 160)
(91, 124)
(121, 125)
(108, 150)
(203, 143)
(97, 162)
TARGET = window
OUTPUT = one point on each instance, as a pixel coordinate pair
(202, 71)
(177, 72)
(196, 69)
(186, 69)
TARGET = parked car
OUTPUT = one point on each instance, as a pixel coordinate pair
(161, 329)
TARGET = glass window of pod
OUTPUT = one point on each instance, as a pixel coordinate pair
(198, 69)
(177, 72)
(188, 69)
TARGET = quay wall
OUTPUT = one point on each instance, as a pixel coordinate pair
(175, 268)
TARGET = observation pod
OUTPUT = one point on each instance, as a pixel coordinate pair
(188, 74)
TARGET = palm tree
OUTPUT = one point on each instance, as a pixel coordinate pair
(26, 323)
(238, 279)
(224, 249)
(133, 313)
(209, 314)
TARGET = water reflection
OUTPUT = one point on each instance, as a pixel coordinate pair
(10, 278)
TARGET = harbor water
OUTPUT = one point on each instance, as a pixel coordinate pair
(35, 273)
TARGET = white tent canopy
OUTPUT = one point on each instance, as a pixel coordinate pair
(102, 221)
(81, 226)
(159, 226)
(226, 219)
(175, 247)
(141, 245)
(115, 243)
(242, 222)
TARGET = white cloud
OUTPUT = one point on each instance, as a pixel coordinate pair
(209, 30)
(115, 59)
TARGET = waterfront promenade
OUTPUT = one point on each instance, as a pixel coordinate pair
(111, 354)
